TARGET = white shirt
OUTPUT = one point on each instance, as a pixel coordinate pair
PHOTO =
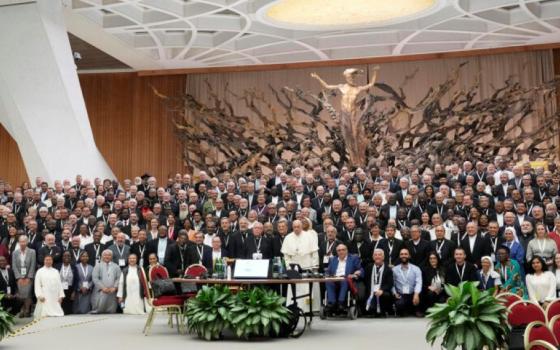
(216, 255)
(472, 240)
(341, 269)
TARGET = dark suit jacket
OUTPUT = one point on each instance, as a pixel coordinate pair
(141, 252)
(194, 258)
(90, 249)
(364, 252)
(480, 249)
(239, 242)
(386, 279)
(391, 256)
(266, 248)
(447, 251)
(418, 253)
(277, 242)
(11, 283)
(170, 258)
(452, 276)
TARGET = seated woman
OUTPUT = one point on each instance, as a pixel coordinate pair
(541, 284)
(510, 273)
(433, 278)
(152, 262)
(488, 278)
(48, 290)
(131, 291)
(542, 246)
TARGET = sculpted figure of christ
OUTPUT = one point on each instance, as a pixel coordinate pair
(350, 116)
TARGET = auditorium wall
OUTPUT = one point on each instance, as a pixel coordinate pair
(133, 132)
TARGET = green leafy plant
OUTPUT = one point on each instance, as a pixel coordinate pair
(471, 319)
(208, 312)
(258, 312)
(6, 321)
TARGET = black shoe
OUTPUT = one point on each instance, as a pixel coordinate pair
(329, 307)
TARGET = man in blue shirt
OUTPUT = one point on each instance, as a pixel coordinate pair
(341, 265)
(407, 286)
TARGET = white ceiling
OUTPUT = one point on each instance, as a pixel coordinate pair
(155, 34)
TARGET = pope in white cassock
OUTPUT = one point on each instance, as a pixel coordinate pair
(48, 290)
(302, 248)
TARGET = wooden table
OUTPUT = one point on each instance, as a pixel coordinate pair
(278, 282)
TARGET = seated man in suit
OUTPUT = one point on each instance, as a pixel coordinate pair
(379, 283)
(199, 253)
(342, 265)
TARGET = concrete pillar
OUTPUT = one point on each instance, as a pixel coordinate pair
(41, 101)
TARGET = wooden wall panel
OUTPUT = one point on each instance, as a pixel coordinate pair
(129, 125)
(12, 169)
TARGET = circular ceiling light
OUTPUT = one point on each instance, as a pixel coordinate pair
(343, 14)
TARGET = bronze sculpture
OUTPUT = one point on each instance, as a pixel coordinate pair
(351, 117)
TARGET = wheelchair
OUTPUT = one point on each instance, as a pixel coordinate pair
(352, 310)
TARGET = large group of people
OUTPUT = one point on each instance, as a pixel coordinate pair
(80, 246)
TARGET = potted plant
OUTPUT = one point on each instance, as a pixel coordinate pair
(6, 321)
(208, 313)
(258, 312)
(471, 319)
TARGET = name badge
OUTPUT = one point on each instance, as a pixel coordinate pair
(8, 290)
(376, 287)
(24, 271)
(141, 262)
(325, 259)
(257, 256)
(85, 284)
(65, 285)
(493, 257)
(121, 262)
(405, 290)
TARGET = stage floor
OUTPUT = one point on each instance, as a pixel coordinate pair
(121, 331)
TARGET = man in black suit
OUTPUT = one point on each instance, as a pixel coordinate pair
(360, 247)
(182, 252)
(444, 248)
(140, 248)
(379, 282)
(492, 240)
(240, 239)
(327, 247)
(418, 248)
(8, 287)
(49, 249)
(95, 249)
(403, 190)
(164, 248)
(388, 210)
(227, 236)
(258, 247)
(461, 270)
(200, 253)
(278, 239)
(391, 246)
(474, 245)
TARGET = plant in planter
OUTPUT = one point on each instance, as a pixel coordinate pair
(208, 312)
(471, 319)
(6, 321)
(258, 312)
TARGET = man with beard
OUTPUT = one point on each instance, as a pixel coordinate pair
(407, 286)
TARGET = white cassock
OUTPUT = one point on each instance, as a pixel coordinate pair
(303, 249)
(48, 286)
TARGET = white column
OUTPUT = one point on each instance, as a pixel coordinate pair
(41, 102)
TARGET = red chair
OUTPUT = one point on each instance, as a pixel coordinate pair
(521, 313)
(553, 309)
(554, 326)
(540, 345)
(507, 299)
(172, 304)
(195, 270)
(538, 331)
(157, 272)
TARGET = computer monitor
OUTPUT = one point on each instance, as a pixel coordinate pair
(248, 269)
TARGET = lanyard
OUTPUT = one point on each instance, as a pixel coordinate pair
(390, 244)
(97, 250)
(84, 271)
(462, 273)
(120, 251)
(405, 277)
(439, 247)
(378, 274)
(485, 278)
(76, 256)
(65, 272)
(200, 251)
(350, 234)
(258, 244)
(6, 276)
(504, 272)
(494, 242)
